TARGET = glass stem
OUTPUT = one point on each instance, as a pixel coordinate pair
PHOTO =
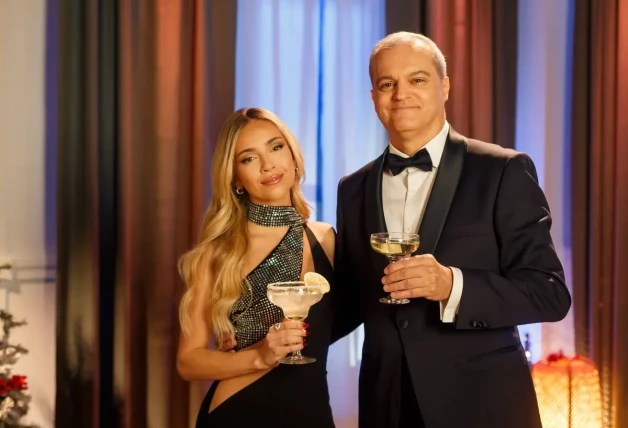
(393, 259)
(297, 354)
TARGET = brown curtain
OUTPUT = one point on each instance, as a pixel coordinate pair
(479, 41)
(600, 196)
(143, 90)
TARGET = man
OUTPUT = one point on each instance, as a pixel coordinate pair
(452, 357)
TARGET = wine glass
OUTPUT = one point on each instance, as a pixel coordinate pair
(395, 246)
(295, 299)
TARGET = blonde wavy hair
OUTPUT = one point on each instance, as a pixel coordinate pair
(223, 240)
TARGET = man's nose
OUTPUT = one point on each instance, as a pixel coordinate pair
(401, 90)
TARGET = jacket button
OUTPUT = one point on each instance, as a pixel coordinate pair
(403, 323)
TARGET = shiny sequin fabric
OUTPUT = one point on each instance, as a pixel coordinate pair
(253, 314)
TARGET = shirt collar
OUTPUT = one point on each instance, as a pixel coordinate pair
(434, 147)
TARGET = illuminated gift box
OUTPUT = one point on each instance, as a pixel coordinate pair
(568, 391)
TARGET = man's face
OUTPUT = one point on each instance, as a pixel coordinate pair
(408, 93)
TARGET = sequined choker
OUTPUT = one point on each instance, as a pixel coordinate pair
(273, 216)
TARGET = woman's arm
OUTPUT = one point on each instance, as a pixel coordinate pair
(196, 362)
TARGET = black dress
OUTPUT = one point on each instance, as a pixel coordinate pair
(288, 395)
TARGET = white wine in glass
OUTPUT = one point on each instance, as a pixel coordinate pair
(395, 246)
(295, 299)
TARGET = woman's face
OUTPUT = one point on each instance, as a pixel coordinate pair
(264, 165)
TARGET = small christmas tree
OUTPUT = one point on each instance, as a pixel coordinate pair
(14, 400)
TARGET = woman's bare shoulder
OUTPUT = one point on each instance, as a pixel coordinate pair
(326, 235)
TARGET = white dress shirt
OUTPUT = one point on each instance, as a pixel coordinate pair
(404, 197)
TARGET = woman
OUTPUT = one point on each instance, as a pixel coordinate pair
(255, 233)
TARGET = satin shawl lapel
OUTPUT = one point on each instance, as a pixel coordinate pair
(375, 221)
(374, 215)
(443, 191)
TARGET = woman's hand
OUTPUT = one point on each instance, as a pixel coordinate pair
(282, 338)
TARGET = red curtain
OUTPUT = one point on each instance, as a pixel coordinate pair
(143, 90)
(479, 41)
(600, 196)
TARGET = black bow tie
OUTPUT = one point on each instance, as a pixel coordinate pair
(397, 164)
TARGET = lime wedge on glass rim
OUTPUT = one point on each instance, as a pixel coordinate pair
(315, 279)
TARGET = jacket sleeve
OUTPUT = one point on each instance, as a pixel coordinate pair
(348, 314)
(530, 287)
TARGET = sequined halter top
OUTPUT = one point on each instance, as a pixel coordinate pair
(253, 314)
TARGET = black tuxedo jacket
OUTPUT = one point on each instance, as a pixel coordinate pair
(487, 216)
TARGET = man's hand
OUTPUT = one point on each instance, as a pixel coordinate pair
(418, 276)
(229, 344)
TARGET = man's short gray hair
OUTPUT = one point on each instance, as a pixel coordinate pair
(412, 39)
